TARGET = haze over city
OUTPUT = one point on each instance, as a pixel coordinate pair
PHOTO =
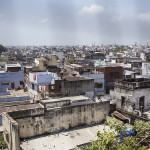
(57, 22)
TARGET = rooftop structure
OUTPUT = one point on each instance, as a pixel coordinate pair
(133, 83)
(133, 94)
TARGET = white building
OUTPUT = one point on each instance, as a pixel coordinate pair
(145, 68)
(132, 94)
(39, 80)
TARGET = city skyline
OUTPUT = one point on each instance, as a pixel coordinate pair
(71, 22)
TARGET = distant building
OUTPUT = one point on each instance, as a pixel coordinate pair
(11, 80)
(98, 82)
(77, 85)
(145, 68)
(111, 74)
(38, 82)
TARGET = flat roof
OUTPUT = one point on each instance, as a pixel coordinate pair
(76, 65)
(66, 140)
(71, 98)
(13, 65)
(13, 93)
(20, 107)
(76, 78)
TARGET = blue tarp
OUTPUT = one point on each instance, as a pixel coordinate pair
(126, 134)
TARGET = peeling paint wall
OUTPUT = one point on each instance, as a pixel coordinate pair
(60, 118)
(11, 132)
(77, 87)
(132, 97)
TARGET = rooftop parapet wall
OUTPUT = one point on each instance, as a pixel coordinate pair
(59, 118)
(133, 83)
(27, 113)
(11, 132)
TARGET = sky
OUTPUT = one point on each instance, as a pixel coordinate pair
(74, 22)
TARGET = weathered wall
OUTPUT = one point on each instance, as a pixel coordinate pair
(11, 132)
(77, 87)
(57, 119)
(145, 68)
(14, 98)
(98, 78)
(132, 97)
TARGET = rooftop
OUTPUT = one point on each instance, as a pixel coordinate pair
(133, 83)
(76, 65)
(75, 78)
(66, 140)
(13, 65)
(13, 93)
(20, 107)
(70, 98)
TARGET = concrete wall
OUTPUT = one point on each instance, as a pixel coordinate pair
(77, 87)
(57, 119)
(56, 103)
(11, 132)
(42, 77)
(14, 98)
(145, 68)
(98, 78)
(132, 97)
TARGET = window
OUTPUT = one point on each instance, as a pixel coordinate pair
(32, 86)
(141, 103)
(21, 83)
(122, 101)
(98, 85)
(5, 83)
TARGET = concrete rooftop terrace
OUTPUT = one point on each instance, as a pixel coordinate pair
(65, 98)
(66, 140)
(13, 93)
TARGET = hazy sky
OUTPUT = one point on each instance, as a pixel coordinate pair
(61, 22)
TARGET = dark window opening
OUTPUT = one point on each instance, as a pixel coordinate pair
(98, 85)
(141, 103)
(32, 86)
(122, 101)
(5, 83)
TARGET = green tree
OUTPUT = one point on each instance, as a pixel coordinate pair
(72, 61)
(120, 48)
(110, 140)
(2, 59)
(2, 49)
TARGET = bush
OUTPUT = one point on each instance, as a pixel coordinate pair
(111, 140)
(3, 144)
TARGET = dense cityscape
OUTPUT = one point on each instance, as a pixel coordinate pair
(74, 75)
(49, 89)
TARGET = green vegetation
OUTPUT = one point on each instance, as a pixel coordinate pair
(72, 61)
(46, 57)
(2, 59)
(3, 145)
(110, 140)
(120, 48)
(2, 49)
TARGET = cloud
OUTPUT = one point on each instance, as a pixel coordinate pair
(43, 21)
(144, 16)
(93, 9)
(116, 18)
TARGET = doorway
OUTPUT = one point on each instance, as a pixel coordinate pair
(12, 85)
(141, 103)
